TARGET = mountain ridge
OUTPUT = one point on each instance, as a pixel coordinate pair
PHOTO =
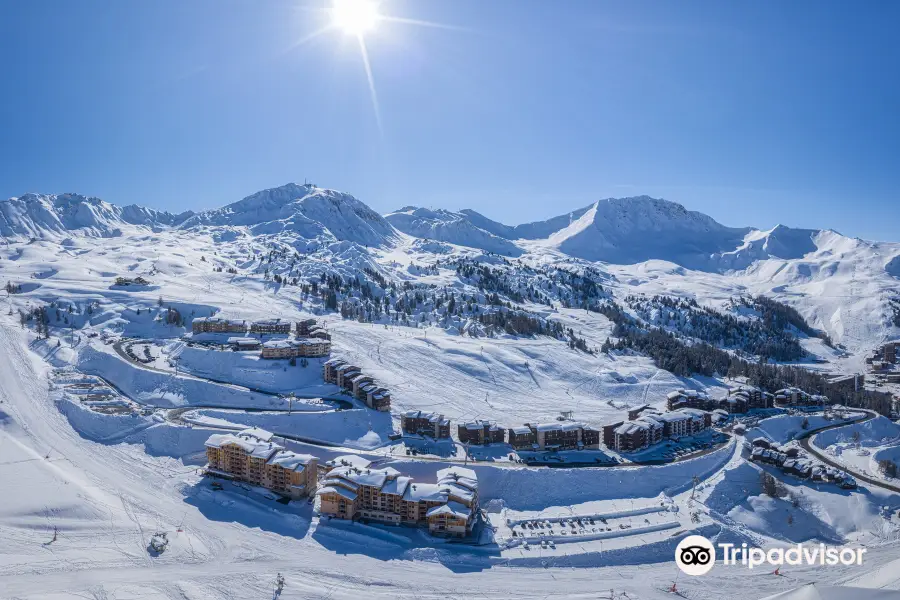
(613, 230)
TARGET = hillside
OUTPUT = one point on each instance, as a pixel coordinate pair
(328, 249)
(58, 215)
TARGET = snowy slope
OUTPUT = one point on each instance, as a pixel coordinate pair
(446, 226)
(306, 210)
(528, 231)
(40, 216)
(633, 230)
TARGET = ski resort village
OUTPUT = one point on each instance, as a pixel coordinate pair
(297, 393)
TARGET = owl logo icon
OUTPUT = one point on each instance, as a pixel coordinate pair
(695, 555)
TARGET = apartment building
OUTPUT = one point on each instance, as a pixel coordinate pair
(796, 397)
(590, 437)
(684, 422)
(558, 435)
(329, 369)
(890, 352)
(270, 326)
(566, 435)
(217, 325)
(747, 396)
(346, 460)
(424, 423)
(302, 348)
(690, 399)
(344, 374)
(319, 333)
(244, 343)
(378, 399)
(303, 327)
(357, 384)
(523, 438)
(480, 432)
(448, 507)
(251, 455)
(609, 433)
(641, 433)
(362, 386)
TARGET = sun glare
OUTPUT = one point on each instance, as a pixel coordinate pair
(355, 16)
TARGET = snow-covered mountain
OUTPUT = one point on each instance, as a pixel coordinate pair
(846, 287)
(306, 210)
(451, 227)
(51, 216)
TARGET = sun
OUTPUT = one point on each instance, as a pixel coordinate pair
(355, 16)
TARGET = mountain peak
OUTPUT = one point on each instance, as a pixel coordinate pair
(54, 215)
(305, 210)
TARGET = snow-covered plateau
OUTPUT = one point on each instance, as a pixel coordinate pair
(107, 397)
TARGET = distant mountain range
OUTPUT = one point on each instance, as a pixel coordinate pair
(614, 230)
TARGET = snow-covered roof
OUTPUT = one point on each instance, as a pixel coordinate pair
(336, 490)
(521, 430)
(252, 446)
(644, 422)
(458, 475)
(396, 486)
(451, 508)
(217, 320)
(559, 425)
(369, 477)
(349, 460)
(291, 460)
(243, 341)
(680, 414)
(278, 344)
(417, 492)
(270, 322)
(340, 481)
(258, 433)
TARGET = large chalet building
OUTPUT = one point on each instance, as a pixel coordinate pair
(300, 348)
(640, 433)
(352, 379)
(218, 325)
(425, 423)
(252, 456)
(558, 435)
(448, 507)
(270, 326)
(480, 432)
(651, 428)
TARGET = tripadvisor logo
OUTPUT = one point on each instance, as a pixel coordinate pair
(696, 555)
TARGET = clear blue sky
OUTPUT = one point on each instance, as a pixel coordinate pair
(756, 113)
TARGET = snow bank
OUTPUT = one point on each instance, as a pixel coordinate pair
(362, 429)
(876, 432)
(534, 489)
(248, 369)
(162, 389)
(159, 438)
(783, 428)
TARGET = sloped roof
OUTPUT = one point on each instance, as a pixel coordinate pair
(291, 460)
(451, 508)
